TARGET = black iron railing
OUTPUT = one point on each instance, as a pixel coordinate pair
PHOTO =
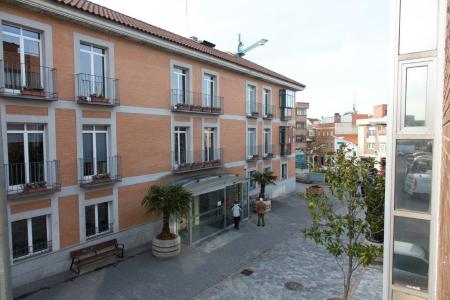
(36, 249)
(27, 81)
(97, 90)
(267, 151)
(186, 161)
(32, 178)
(94, 172)
(93, 231)
(285, 149)
(268, 111)
(253, 153)
(253, 109)
(188, 101)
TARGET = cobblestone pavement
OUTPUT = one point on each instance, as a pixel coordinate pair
(277, 253)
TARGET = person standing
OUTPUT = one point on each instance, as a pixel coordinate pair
(261, 211)
(236, 210)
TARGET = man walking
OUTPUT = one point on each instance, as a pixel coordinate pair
(261, 210)
(236, 210)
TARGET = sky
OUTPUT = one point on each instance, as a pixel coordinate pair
(338, 48)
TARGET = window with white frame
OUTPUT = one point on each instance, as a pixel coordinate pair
(267, 102)
(382, 148)
(415, 96)
(251, 142)
(251, 99)
(95, 151)
(30, 236)
(92, 79)
(252, 181)
(372, 131)
(26, 155)
(98, 219)
(284, 171)
(209, 89)
(22, 58)
(180, 139)
(371, 146)
(301, 111)
(210, 151)
(180, 83)
(267, 139)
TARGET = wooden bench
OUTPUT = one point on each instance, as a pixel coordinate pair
(88, 255)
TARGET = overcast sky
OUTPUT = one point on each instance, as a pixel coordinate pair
(338, 49)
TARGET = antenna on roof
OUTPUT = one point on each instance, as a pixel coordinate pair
(187, 20)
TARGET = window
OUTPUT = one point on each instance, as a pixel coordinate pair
(22, 50)
(372, 131)
(251, 142)
(210, 91)
(267, 102)
(181, 145)
(179, 85)
(286, 139)
(371, 146)
(26, 154)
(382, 148)
(97, 219)
(30, 236)
(251, 99)
(416, 96)
(300, 125)
(92, 66)
(95, 151)
(287, 103)
(267, 139)
(267, 169)
(301, 111)
(284, 173)
(210, 152)
(252, 184)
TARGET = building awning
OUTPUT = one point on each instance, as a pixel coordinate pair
(201, 184)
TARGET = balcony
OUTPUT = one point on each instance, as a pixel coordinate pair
(253, 153)
(94, 173)
(32, 179)
(190, 102)
(285, 149)
(253, 109)
(97, 90)
(23, 81)
(196, 160)
(268, 112)
(267, 151)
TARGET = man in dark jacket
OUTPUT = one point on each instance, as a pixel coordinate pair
(261, 210)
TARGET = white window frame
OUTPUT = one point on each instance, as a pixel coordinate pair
(174, 64)
(110, 219)
(266, 100)
(284, 165)
(92, 54)
(251, 103)
(30, 236)
(94, 132)
(177, 131)
(215, 91)
(207, 132)
(267, 131)
(251, 147)
(250, 180)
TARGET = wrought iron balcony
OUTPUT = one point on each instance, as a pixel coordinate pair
(23, 80)
(268, 111)
(94, 172)
(34, 178)
(253, 153)
(191, 102)
(196, 160)
(253, 109)
(97, 90)
(267, 151)
(285, 149)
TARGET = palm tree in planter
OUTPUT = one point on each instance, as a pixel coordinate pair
(167, 201)
(264, 178)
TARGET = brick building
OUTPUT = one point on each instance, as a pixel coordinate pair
(301, 129)
(96, 107)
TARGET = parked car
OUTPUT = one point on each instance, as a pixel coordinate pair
(410, 265)
(418, 178)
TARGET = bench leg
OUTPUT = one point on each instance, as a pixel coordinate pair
(71, 267)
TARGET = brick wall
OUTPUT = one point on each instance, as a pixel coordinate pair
(443, 288)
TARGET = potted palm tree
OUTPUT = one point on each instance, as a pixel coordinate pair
(264, 178)
(167, 201)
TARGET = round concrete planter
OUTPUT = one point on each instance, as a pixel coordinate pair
(268, 204)
(166, 248)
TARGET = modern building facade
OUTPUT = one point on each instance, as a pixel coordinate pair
(417, 243)
(372, 134)
(96, 107)
(301, 129)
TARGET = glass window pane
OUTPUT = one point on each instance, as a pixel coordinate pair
(413, 175)
(36, 157)
(85, 47)
(89, 214)
(11, 56)
(411, 253)
(416, 96)
(19, 234)
(16, 158)
(103, 220)
(15, 126)
(88, 155)
(85, 63)
(98, 50)
(101, 153)
(88, 127)
(39, 230)
(31, 34)
(10, 29)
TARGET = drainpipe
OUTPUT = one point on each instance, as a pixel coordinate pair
(5, 264)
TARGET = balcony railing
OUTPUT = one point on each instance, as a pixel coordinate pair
(36, 249)
(26, 179)
(253, 109)
(196, 160)
(267, 151)
(253, 153)
(268, 111)
(285, 149)
(191, 102)
(97, 90)
(94, 172)
(26, 81)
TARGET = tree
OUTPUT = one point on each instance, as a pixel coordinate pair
(167, 200)
(375, 208)
(338, 221)
(264, 178)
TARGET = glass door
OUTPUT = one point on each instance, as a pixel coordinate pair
(233, 194)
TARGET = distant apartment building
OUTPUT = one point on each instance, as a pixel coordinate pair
(301, 129)
(96, 107)
(372, 134)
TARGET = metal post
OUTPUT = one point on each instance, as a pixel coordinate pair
(5, 264)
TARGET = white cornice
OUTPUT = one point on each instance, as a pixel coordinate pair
(99, 23)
